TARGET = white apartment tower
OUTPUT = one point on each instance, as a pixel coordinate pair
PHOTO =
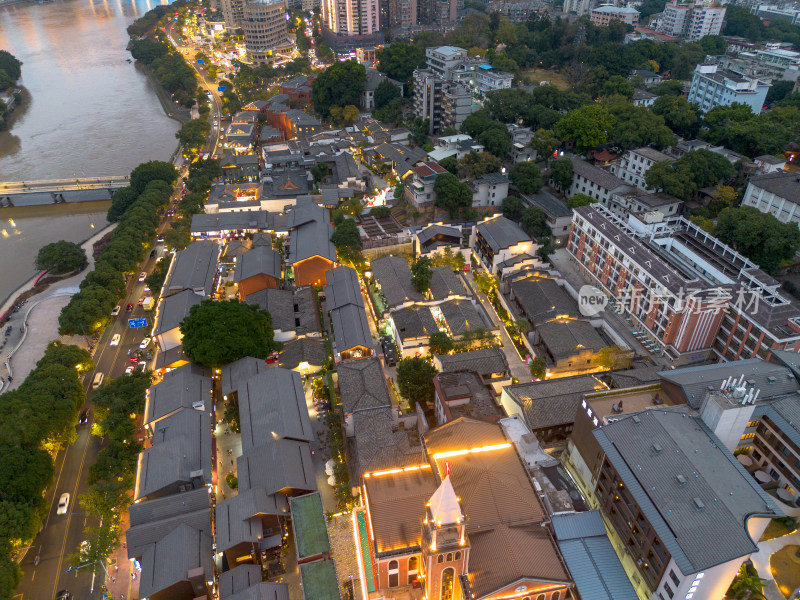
(691, 21)
(351, 17)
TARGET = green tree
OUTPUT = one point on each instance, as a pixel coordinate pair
(451, 194)
(155, 280)
(320, 171)
(421, 274)
(485, 282)
(192, 204)
(146, 50)
(218, 333)
(580, 200)
(177, 237)
(61, 257)
(399, 191)
(120, 201)
(538, 367)
(617, 85)
(534, 223)
(496, 141)
(192, 134)
(347, 239)
(385, 93)
(507, 105)
(399, 59)
(512, 207)
(588, 126)
(526, 177)
(679, 115)
(475, 165)
(561, 171)
(415, 381)
(152, 171)
(637, 126)
(746, 585)
(441, 343)
(340, 85)
(545, 143)
(759, 236)
(344, 115)
(613, 358)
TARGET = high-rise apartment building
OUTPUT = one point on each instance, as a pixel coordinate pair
(691, 21)
(712, 86)
(232, 12)
(264, 25)
(579, 7)
(403, 13)
(351, 17)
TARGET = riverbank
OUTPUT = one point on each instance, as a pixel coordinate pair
(16, 109)
(179, 114)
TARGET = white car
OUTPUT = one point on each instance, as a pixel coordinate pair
(63, 504)
(142, 276)
(116, 310)
(145, 343)
(129, 370)
(115, 340)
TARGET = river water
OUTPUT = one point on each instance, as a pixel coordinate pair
(90, 113)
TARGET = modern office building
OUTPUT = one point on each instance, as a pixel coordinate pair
(691, 21)
(712, 86)
(264, 26)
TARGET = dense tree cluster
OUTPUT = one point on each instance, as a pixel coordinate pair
(737, 128)
(61, 257)
(527, 177)
(399, 59)
(10, 69)
(169, 67)
(452, 194)
(192, 134)
(39, 418)
(421, 274)
(415, 381)
(339, 85)
(759, 236)
(693, 171)
(218, 333)
(137, 213)
(741, 22)
(346, 238)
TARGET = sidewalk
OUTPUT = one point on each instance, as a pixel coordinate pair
(761, 561)
(120, 568)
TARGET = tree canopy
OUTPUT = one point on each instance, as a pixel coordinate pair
(192, 134)
(421, 274)
(61, 257)
(759, 236)
(561, 172)
(339, 85)
(451, 194)
(218, 333)
(527, 177)
(588, 126)
(399, 59)
(346, 238)
(415, 381)
(691, 172)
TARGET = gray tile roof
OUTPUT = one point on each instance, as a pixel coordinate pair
(258, 261)
(697, 539)
(307, 310)
(590, 557)
(652, 154)
(485, 362)
(501, 233)
(181, 448)
(696, 382)
(425, 235)
(277, 465)
(463, 316)
(378, 447)
(394, 277)
(785, 185)
(306, 349)
(168, 561)
(552, 402)
(174, 309)
(266, 590)
(491, 179)
(238, 579)
(634, 377)
(414, 322)
(247, 220)
(342, 288)
(785, 413)
(362, 384)
(446, 283)
(180, 388)
(273, 403)
(236, 373)
(152, 519)
(239, 518)
(350, 328)
(542, 299)
(193, 269)
(278, 303)
(565, 339)
(310, 232)
(552, 206)
(455, 386)
(596, 175)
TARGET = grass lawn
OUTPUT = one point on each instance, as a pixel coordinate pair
(785, 566)
(776, 528)
(539, 75)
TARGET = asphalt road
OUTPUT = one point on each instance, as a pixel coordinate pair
(61, 535)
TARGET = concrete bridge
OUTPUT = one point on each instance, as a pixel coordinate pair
(58, 191)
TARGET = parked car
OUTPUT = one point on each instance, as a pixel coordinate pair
(134, 358)
(115, 340)
(129, 308)
(153, 253)
(116, 310)
(145, 343)
(63, 504)
(141, 301)
(63, 595)
(128, 369)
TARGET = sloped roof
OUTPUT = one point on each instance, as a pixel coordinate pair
(350, 328)
(552, 402)
(394, 277)
(425, 235)
(194, 268)
(261, 260)
(174, 309)
(277, 465)
(362, 384)
(342, 288)
(444, 505)
(273, 403)
(567, 338)
(278, 303)
(169, 560)
(501, 233)
(237, 372)
(463, 316)
(180, 388)
(784, 185)
(265, 590)
(445, 283)
(596, 175)
(238, 518)
(414, 321)
(484, 362)
(308, 523)
(702, 522)
(590, 557)
(306, 349)
(378, 447)
(543, 299)
(310, 232)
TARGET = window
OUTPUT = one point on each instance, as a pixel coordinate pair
(439, 558)
(674, 578)
(556, 596)
(412, 569)
(394, 573)
(540, 597)
(669, 591)
(448, 579)
(449, 557)
(458, 555)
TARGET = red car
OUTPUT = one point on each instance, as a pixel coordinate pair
(129, 308)
(134, 358)
(141, 301)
